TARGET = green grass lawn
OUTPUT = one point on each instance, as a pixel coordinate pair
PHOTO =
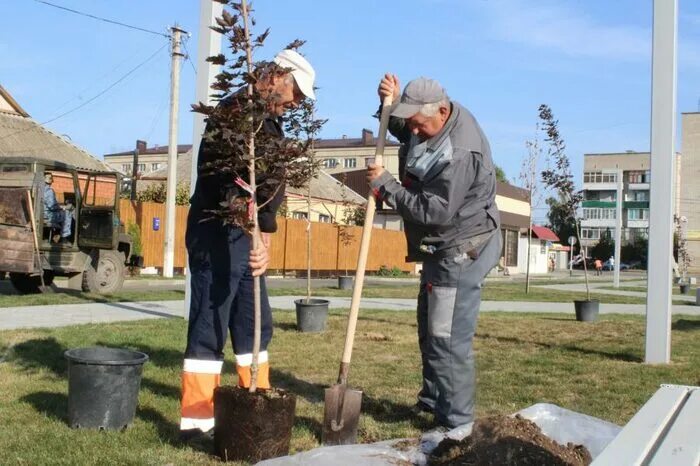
(594, 368)
(64, 296)
(492, 291)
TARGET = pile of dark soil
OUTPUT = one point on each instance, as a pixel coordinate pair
(252, 426)
(505, 440)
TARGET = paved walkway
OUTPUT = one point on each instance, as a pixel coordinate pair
(72, 314)
(598, 287)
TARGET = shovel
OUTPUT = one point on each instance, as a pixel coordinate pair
(342, 404)
(43, 288)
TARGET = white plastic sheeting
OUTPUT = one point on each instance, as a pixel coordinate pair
(560, 424)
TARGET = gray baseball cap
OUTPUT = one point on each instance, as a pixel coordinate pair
(417, 93)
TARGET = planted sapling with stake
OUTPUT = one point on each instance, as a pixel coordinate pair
(253, 424)
(558, 176)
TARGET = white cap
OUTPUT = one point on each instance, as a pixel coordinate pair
(302, 71)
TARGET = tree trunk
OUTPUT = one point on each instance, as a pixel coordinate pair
(308, 244)
(256, 226)
(529, 241)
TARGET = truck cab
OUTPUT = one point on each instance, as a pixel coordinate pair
(93, 253)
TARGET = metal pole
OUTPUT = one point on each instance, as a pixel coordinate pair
(663, 133)
(618, 232)
(208, 44)
(134, 174)
(170, 211)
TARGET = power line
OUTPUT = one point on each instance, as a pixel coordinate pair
(95, 97)
(187, 56)
(108, 87)
(102, 19)
(79, 95)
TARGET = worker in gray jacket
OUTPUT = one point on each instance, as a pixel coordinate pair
(446, 198)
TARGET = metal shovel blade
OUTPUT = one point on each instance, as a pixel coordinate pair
(341, 415)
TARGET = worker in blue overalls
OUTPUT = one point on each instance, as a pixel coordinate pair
(222, 265)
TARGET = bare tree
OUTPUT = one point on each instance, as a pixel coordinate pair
(529, 180)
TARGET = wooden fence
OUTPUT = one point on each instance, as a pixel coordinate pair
(288, 251)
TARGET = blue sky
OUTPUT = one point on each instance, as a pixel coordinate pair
(590, 60)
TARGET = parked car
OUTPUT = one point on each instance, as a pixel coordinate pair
(577, 262)
(608, 266)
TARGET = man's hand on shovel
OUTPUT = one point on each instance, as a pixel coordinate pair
(389, 86)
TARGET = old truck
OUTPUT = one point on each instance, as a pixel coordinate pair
(95, 255)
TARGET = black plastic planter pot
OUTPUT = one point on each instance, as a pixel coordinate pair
(311, 314)
(684, 288)
(103, 386)
(345, 282)
(252, 426)
(587, 311)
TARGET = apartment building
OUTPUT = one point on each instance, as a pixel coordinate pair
(601, 173)
(149, 159)
(347, 154)
(689, 201)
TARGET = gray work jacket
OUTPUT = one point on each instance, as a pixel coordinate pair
(448, 194)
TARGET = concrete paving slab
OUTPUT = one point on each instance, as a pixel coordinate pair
(74, 314)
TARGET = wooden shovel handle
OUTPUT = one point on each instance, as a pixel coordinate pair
(364, 249)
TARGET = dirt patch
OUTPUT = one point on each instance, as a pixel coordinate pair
(505, 440)
(406, 444)
(376, 336)
(252, 426)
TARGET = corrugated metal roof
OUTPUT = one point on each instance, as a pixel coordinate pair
(544, 233)
(23, 137)
(181, 149)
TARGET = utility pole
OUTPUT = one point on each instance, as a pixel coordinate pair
(134, 173)
(208, 44)
(169, 253)
(663, 157)
(618, 231)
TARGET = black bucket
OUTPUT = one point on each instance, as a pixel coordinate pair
(103, 387)
(311, 314)
(684, 288)
(345, 282)
(586, 311)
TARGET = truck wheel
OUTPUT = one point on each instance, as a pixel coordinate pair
(105, 273)
(30, 284)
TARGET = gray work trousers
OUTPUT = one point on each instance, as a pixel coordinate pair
(448, 307)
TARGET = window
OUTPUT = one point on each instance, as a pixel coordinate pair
(590, 233)
(329, 163)
(609, 177)
(300, 215)
(510, 247)
(638, 196)
(638, 214)
(640, 176)
(368, 160)
(350, 163)
(126, 167)
(599, 214)
(141, 168)
(324, 218)
(599, 177)
(155, 166)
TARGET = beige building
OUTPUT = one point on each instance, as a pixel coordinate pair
(329, 198)
(689, 199)
(600, 184)
(149, 160)
(348, 154)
